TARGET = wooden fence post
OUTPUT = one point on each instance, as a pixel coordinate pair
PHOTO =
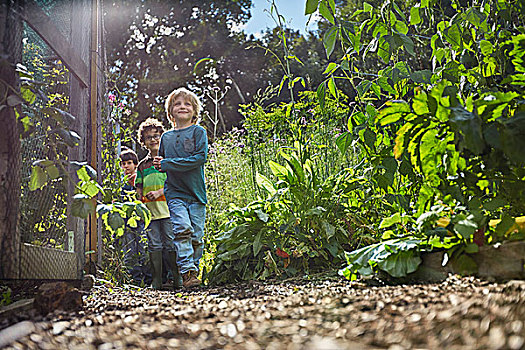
(10, 55)
(79, 107)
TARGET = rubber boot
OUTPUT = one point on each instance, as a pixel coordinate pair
(156, 269)
(177, 279)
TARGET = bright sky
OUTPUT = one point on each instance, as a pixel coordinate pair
(292, 10)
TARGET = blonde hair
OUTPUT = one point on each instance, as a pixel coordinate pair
(187, 94)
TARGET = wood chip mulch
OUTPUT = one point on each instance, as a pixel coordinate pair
(329, 313)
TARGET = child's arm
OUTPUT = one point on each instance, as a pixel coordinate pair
(138, 185)
(196, 160)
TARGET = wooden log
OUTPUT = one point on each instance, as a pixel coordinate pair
(501, 263)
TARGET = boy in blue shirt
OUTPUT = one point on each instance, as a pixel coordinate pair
(182, 153)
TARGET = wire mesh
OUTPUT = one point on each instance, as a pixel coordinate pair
(43, 212)
(43, 249)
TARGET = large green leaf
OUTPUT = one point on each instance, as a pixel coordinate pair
(475, 17)
(326, 13)
(408, 44)
(421, 76)
(393, 111)
(344, 141)
(414, 16)
(52, 172)
(257, 243)
(311, 7)
(38, 178)
(452, 34)
(469, 125)
(513, 139)
(280, 171)
(328, 229)
(116, 221)
(390, 255)
(400, 264)
(486, 47)
(386, 47)
(363, 87)
(144, 213)
(321, 94)
(264, 183)
(504, 225)
(369, 138)
(466, 227)
(420, 103)
(391, 220)
(329, 40)
(82, 206)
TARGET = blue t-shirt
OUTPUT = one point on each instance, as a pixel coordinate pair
(184, 152)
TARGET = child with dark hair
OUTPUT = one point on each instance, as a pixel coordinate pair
(132, 240)
(150, 188)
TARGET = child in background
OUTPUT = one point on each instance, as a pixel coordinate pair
(132, 239)
(182, 153)
(150, 189)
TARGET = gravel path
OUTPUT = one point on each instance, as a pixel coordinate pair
(459, 313)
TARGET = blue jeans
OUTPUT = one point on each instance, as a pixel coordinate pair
(160, 235)
(135, 254)
(188, 219)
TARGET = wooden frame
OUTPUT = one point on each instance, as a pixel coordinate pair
(40, 23)
(35, 262)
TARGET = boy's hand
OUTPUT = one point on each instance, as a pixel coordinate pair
(156, 162)
(152, 195)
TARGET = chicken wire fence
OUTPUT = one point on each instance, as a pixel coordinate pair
(49, 243)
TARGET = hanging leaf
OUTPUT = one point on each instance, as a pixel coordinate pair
(363, 87)
(385, 47)
(469, 125)
(466, 228)
(452, 34)
(38, 178)
(330, 68)
(326, 13)
(475, 17)
(369, 137)
(115, 221)
(52, 172)
(311, 7)
(414, 16)
(344, 141)
(321, 94)
(82, 206)
(512, 140)
(421, 76)
(329, 40)
(332, 87)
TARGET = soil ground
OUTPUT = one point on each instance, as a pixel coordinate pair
(321, 313)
